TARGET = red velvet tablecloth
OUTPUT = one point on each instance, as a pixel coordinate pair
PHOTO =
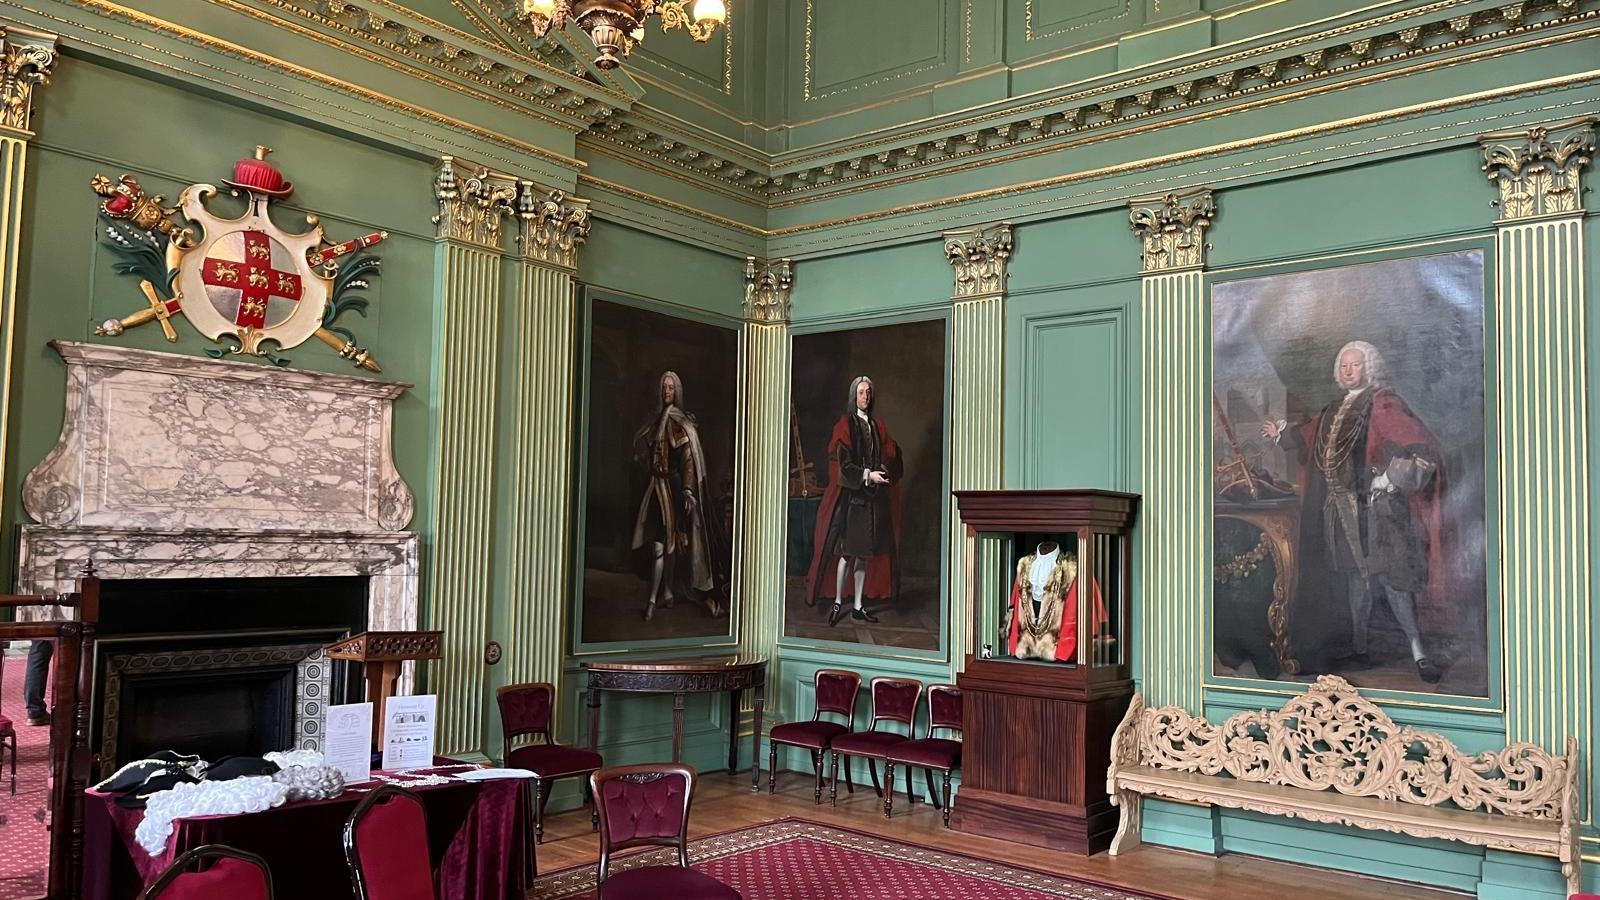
(475, 835)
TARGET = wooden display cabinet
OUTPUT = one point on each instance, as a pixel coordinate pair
(1037, 733)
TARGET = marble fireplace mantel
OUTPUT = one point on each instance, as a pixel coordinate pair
(172, 466)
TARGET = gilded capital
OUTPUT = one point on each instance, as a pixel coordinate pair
(29, 58)
(472, 205)
(1539, 170)
(979, 256)
(768, 286)
(1172, 229)
(554, 225)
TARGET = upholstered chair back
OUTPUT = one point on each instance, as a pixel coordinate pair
(643, 805)
(525, 709)
(895, 700)
(386, 845)
(836, 691)
(944, 708)
(212, 871)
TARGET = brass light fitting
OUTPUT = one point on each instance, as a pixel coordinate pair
(616, 25)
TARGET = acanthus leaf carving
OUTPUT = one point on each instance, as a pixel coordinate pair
(1539, 171)
(473, 207)
(1172, 229)
(768, 289)
(554, 225)
(980, 256)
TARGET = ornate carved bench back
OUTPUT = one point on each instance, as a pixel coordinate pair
(1331, 738)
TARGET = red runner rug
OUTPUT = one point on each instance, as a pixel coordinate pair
(24, 836)
(793, 859)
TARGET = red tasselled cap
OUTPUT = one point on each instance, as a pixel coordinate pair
(259, 176)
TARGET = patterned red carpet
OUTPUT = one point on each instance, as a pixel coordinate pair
(793, 859)
(24, 841)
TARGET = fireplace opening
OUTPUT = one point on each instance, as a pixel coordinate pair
(220, 667)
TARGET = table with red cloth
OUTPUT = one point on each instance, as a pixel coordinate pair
(476, 836)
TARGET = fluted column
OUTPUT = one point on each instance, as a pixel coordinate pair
(977, 336)
(1173, 434)
(763, 482)
(1541, 335)
(473, 206)
(543, 323)
(28, 57)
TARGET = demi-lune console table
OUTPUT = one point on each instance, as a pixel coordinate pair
(680, 677)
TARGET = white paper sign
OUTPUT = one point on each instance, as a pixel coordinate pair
(347, 745)
(408, 725)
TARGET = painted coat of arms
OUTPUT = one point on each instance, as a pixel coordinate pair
(241, 281)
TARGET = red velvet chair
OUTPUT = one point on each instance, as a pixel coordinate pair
(893, 700)
(386, 845)
(8, 730)
(233, 874)
(525, 709)
(929, 752)
(835, 692)
(649, 806)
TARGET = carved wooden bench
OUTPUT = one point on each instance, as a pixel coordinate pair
(1331, 756)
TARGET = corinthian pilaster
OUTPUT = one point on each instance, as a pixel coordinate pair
(763, 485)
(29, 56)
(466, 327)
(1171, 230)
(979, 257)
(1541, 349)
(540, 359)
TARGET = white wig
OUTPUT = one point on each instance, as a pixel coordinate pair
(1376, 370)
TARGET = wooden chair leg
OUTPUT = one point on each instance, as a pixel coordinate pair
(541, 792)
(13, 763)
(911, 796)
(932, 794)
(816, 763)
(849, 782)
(888, 783)
(594, 808)
(947, 798)
(833, 784)
(872, 768)
(772, 766)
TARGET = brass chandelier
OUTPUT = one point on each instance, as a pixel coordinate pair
(615, 25)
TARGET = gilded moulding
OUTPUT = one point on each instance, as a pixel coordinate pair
(768, 290)
(472, 208)
(29, 56)
(1539, 170)
(1172, 229)
(979, 256)
(554, 225)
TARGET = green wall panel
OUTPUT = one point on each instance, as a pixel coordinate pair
(852, 285)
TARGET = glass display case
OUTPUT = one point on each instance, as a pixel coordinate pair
(1048, 576)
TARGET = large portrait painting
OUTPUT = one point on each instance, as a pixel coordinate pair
(658, 476)
(867, 486)
(1349, 480)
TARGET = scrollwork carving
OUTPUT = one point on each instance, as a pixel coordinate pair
(979, 256)
(1539, 171)
(472, 208)
(1172, 229)
(28, 58)
(554, 225)
(768, 289)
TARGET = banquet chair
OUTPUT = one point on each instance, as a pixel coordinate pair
(929, 752)
(231, 873)
(8, 730)
(648, 805)
(386, 846)
(893, 700)
(835, 692)
(527, 709)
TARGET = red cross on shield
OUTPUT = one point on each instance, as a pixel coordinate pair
(250, 279)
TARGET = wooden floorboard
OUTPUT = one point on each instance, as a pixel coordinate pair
(724, 802)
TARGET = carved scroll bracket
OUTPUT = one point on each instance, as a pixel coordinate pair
(768, 290)
(1172, 229)
(473, 206)
(1539, 171)
(979, 256)
(29, 56)
(554, 225)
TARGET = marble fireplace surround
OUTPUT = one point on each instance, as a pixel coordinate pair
(173, 466)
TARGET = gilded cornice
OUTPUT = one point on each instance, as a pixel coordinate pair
(1172, 229)
(554, 225)
(1539, 170)
(472, 207)
(979, 256)
(768, 290)
(28, 57)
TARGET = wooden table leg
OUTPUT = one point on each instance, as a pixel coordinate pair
(755, 736)
(594, 719)
(733, 732)
(677, 725)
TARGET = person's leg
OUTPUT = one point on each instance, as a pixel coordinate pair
(1404, 606)
(36, 680)
(1360, 612)
(837, 610)
(657, 569)
(861, 582)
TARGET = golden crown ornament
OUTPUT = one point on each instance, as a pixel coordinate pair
(243, 282)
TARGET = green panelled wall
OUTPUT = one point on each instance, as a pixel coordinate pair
(800, 132)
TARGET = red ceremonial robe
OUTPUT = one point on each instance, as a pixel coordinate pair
(1067, 640)
(1391, 426)
(881, 581)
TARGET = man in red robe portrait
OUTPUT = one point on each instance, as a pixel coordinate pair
(1372, 521)
(858, 523)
